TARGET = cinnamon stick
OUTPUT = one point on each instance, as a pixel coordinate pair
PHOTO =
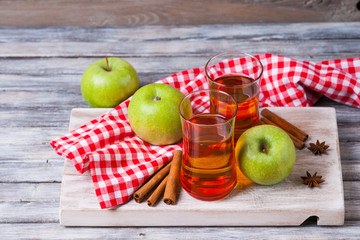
(141, 193)
(157, 193)
(172, 185)
(285, 125)
(297, 142)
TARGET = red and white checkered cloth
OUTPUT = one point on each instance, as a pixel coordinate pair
(120, 162)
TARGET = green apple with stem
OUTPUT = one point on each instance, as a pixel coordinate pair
(108, 82)
(265, 154)
(153, 114)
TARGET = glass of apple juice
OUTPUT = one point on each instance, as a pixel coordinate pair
(238, 74)
(208, 170)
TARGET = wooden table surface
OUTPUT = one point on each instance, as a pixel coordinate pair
(40, 74)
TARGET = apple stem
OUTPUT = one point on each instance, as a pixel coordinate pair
(157, 98)
(264, 147)
(107, 64)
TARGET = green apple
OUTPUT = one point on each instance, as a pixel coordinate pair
(265, 154)
(108, 83)
(154, 114)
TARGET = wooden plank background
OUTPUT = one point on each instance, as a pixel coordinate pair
(97, 13)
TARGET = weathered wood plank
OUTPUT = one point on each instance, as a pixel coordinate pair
(349, 150)
(349, 131)
(29, 143)
(251, 32)
(350, 170)
(352, 210)
(51, 69)
(53, 231)
(29, 212)
(178, 48)
(29, 192)
(32, 170)
(58, 70)
(50, 117)
(109, 13)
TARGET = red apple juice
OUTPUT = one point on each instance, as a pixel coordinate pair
(208, 170)
(245, 93)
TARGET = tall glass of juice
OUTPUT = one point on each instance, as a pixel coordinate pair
(208, 169)
(238, 74)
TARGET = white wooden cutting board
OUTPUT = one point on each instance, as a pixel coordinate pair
(287, 203)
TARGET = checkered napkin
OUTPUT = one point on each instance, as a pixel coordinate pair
(120, 162)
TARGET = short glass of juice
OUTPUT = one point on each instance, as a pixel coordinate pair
(239, 74)
(208, 169)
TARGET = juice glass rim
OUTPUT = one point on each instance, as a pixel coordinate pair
(236, 86)
(229, 119)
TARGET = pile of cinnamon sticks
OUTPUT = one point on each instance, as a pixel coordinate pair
(165, 181)
(297, 136)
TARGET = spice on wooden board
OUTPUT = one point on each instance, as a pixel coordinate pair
(318, 148)
(152, 200)
(144, 190)
(173, 182)
(311, 181)
(169, 177)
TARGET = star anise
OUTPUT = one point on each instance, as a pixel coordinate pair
(312, 180)
(318, 148)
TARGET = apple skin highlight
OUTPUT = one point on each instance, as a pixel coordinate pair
(265, 154)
